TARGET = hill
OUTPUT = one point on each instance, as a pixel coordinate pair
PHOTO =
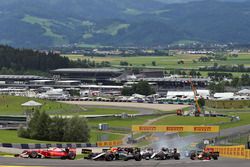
(37, 24)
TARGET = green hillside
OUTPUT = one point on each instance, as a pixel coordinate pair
(29, 23)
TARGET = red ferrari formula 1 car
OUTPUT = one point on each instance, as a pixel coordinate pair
(206, 154)
(61, 153)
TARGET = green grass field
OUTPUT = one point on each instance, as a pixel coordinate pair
(11, 105)
(228, 104)
(177, 120)
(119, 122)
(10, 136)
(166, 61)
(96, 111)
(244, 120)
(223, 121)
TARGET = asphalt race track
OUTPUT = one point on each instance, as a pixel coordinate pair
(222, 162)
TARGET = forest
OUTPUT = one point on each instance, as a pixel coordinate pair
(20, 61)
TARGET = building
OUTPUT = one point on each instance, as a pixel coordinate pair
(42, 82)
(87, 75)
(19, 79)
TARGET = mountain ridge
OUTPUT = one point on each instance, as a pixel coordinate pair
(25, 23)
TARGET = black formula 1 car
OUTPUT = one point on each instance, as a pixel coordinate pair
(163, 154)
(112, 154)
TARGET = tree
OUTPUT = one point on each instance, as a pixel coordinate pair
(56, 129)
(22, 132)
(123, 63)
(198, 74)
(192, 73)
(142, 88)
(180, 62)
(127, 91)
(76, 130)
(32, 126)
(153, 63)
(235, 82)
(217, 87)
(42, 127)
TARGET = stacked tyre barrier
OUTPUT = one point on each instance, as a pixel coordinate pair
(239, 152)
(41, 146)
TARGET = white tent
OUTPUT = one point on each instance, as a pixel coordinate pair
(224, 96)
(244, 91)
(180, 93)
(203, 93)
(31, 104)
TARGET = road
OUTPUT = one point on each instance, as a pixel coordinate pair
(144, 163)
(182, 142)
(162, 107)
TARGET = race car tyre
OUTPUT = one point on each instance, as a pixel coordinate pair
(192, 157)
(177, 156)
(126, 159)
(33, 154)
(71, 156)
(167, 157)
(108, 157)
(138, 157)
(215, 157)
(63, 158)
(161, 156)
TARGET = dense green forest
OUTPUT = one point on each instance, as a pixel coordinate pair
(25, 61)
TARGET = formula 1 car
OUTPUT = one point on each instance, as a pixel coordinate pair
(206, 154)
(163, 154)
(114, 154)
(60, 153)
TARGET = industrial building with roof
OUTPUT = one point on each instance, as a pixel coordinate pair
(87, 74)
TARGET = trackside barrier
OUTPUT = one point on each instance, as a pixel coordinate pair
(239, 152)
(109, 143)
(41, 146)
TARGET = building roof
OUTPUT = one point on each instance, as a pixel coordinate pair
(102, 86)
(181, 93)
(41, 81)
(224, 95)
(68, 81)
(177, 79)
(88, 70)
(34, 77)
(244, 91)
(31, 104)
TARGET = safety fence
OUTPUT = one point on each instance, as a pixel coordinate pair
(38, 146)
(63, 145)
(109, 143)
(232, 151)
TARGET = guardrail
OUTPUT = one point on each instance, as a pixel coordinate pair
(13, 118)
(40, 146)
(177, 102)
(239, 152)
